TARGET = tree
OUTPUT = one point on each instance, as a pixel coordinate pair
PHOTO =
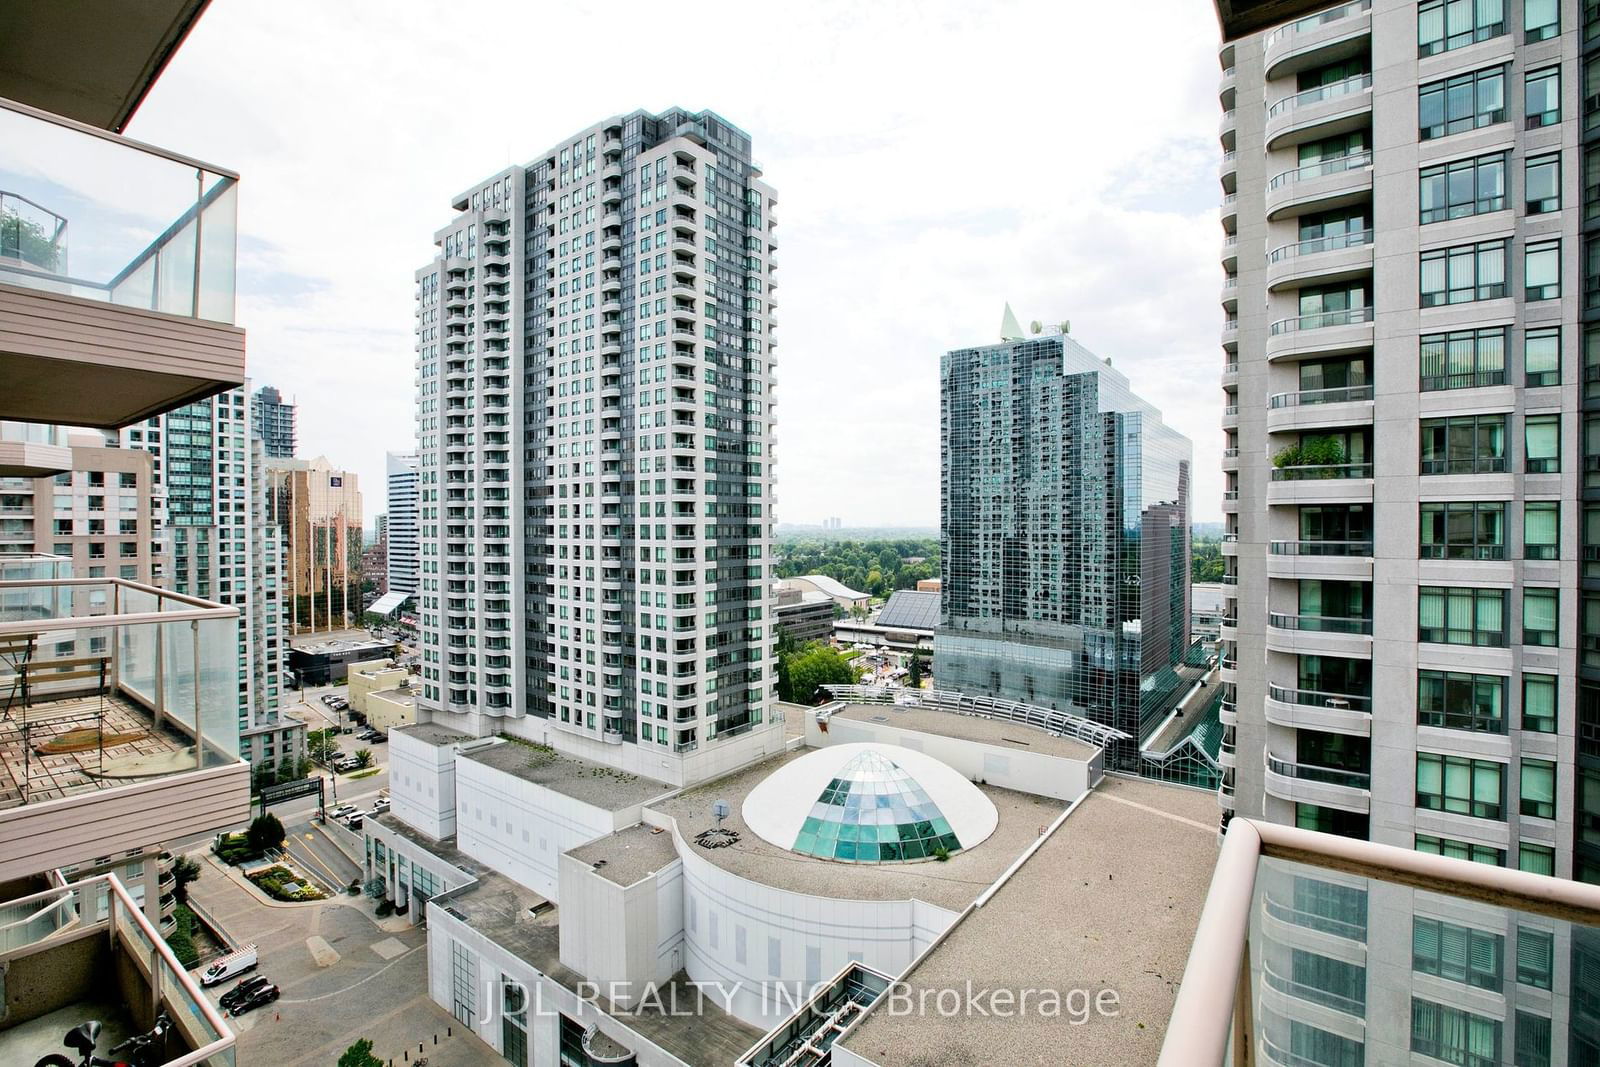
(363, 757)
(360, 1055)
(1205, 560)
(802, 673)
(262, 776)
(184, 871)
(322, 744)
(265, 832)
(914, 672)
(286, 769)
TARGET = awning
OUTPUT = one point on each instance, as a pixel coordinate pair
(386, 604)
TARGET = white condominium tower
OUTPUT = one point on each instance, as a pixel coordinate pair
(400, 531)
(594, 437)
(1408, 630)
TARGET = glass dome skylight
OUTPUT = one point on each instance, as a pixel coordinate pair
(874, 812)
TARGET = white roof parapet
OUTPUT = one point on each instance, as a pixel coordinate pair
(1048, 719)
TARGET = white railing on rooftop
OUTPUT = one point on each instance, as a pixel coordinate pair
(1057, 722)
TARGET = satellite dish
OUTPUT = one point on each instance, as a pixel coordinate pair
(721, 810)
(1035, 326)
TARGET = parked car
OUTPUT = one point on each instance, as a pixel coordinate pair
(264, 995)
(245, 988)
(344, 810)
(378, 737)
(380, 806)
(355, 821)
(328, 699)
(227, 966)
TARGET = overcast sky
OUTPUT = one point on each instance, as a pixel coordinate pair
(932, 161)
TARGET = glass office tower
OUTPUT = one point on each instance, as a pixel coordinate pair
(1065, 530)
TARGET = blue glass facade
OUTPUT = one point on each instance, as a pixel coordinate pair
(1065, 528)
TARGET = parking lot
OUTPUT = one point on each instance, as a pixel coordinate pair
(343, 974)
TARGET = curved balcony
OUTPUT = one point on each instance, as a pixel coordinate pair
(1230, 375)
(1230, 501)
(1320, 261)
(1228, 671)
(1306, 783)
(1324, 333)
(1228, 171)
(1340, 560)
(1288, 998)
(1316, 635)
(1230, 417)
(1227, 83)
(1225, 796)
(1319, 408)
(1228, 713)
(1341, 483)
(1310, 709)
(1326, 111)
(1230, 213)
(1227, 127)
(1230, 252)
(1324, 186)
(1317, 39)
(1230, 333)
(1228, 629)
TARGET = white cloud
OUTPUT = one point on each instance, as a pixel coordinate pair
(932, 160)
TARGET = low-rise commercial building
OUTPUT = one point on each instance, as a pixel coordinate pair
(842, 594)
(805, 615)
(328, 661)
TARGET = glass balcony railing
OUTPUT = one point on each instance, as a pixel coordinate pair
(1322, 93)
(1333, 242)
(1319, 949)
(1343, 395)
(1322, 320)
(1313, 698)
(1321, 548)
(90, 214)
(1321, 18)
(1320, 471)
(1311, 772)
(1322, 624)
(46, 934)
(1322, 168)
(108, 682)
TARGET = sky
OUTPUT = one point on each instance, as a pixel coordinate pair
(932, 161)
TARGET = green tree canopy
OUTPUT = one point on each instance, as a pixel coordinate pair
(803, 671)
(360, 1055)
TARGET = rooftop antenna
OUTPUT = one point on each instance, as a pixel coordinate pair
(721, 810)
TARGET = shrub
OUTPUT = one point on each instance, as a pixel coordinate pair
(385, 908)
(265, 832)
(360, 1055)
(181, 940)
(941, 853)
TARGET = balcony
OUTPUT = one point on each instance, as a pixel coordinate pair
(1324, 186)
(1323, 333)
(1342, 560)
(64, 967)
(1335, 635)
(1237, 996)
(1320, 261)
(1326, 111)
(1310, 709)
(33, 450)
(1341, 483)
(1230, 417)
(116, 275)
(122, 718)
(1313, 409)
(1228, 171)
(1318, 39)
(1308, 783)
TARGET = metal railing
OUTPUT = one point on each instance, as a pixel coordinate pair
(1348, 394)
(1310, 772)
(1322, 624)
(1352, 239)
(1332, 91)
(1050, 719)
(1314, 698)
(1320, 471)
(1336, 165)
(1322, 320)
(1321, 18)
(1320, 548)
(1212, 1022)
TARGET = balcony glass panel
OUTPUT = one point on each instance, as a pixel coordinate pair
(97, 216)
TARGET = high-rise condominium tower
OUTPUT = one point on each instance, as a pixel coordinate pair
(273, 421)
(594, 432)
(1065, 536)
(402, 522)
(1408, 628)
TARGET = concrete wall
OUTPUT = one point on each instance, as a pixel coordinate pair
(624, 934)
(1008, 768)
(422, 784)
(370, 678)
(521, 829)
(711, 759)
(389, 708)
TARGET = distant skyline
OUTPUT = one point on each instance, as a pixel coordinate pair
(932, 163)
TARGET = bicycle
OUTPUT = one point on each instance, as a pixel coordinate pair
(144, 1050)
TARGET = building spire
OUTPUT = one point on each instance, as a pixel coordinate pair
(1010, 329)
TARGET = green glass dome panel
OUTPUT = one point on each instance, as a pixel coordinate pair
(875, 812)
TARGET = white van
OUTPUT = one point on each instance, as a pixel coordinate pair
(227, 966)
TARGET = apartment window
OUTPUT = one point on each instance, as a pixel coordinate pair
(1591, 181)
(1589, 646)
(1539, 703)
(1541, 100)
(1533, 1041)
(1454, 1035)
(1462, 103)
(1460, 850)
(1541, 20)
(1542, 184)
(1536, 859)
(1464, 187)
(1457, 953)
(1591, 92)
(1467, 359)
(1464, 273)
(1460, 701)
(1461, 785)
(1540, 609)
(1463, 530)
(1451, 615)
(1541, 529)
(1541, 271)
(1464, 444)
(1591, 274)
(1542, 444)
(1443, 26)
(1335, 983)
(1538, 788)
(1541, 356)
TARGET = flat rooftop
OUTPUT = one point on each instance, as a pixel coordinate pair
(628, 855)
(399, 694)
(501, 910)
(434, 734)
(341, 644)
(998, 732)
(589, 783)
(952, 884)
(1110, 901)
